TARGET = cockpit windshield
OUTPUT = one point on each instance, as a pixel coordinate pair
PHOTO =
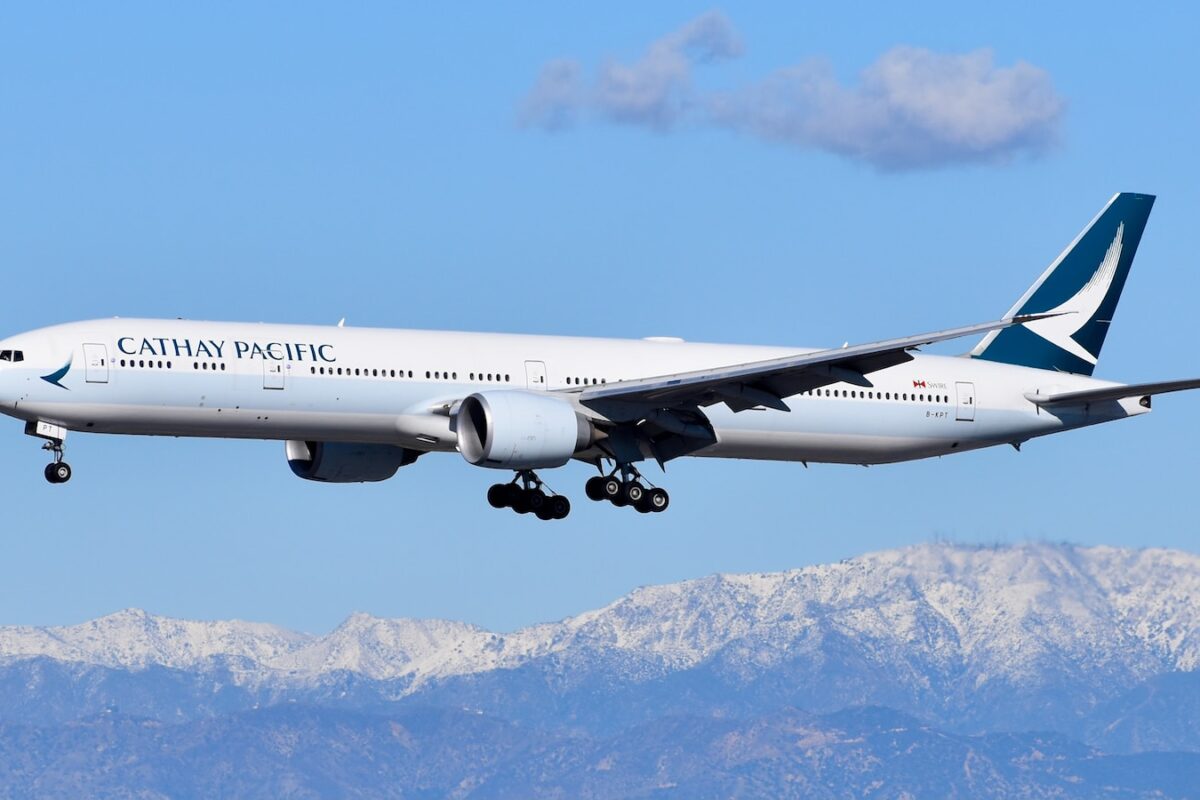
(12, 355)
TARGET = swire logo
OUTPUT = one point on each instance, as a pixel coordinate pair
(918, 384)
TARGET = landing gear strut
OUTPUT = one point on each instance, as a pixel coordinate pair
(526, 494)
(627, 490)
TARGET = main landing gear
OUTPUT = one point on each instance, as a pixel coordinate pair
(624, 486)
(627, 490)
(526, 494)
(57, 471)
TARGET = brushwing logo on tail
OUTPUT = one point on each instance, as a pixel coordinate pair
(1079, 310)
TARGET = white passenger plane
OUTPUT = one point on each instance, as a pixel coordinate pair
(355, 405)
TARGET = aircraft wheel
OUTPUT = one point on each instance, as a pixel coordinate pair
(643, 506)
(594, 488)
(658, 499)
(559, 507)
(633, 493)
(520, 503)
(612, 491)
(497, 495)
(59, 472)
(537, 501)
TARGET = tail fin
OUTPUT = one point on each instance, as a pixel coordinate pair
(1081, 288)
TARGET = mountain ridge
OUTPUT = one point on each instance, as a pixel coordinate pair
(1051, 670)
(1008, 613)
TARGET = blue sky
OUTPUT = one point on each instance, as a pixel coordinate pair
(301, 163)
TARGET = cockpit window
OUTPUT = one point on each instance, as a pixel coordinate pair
(12, 355)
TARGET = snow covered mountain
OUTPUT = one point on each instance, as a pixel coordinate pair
(1013, 614)
(1052, 670)
(1096, 643)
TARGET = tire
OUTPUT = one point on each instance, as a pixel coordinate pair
(658, 500)
(612, 488)
(538, 501)
(633, 493)
(594, 488)
(559, 507)
(643, 506)
(520, 503)
(50, 473)
(544, 513)
(63, 472)
(497, 495)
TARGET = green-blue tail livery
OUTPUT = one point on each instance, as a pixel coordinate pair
(1081, 288)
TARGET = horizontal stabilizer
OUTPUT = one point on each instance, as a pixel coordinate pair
(1112, 393)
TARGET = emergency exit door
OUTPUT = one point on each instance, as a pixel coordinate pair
(966, 401)
(95, 360)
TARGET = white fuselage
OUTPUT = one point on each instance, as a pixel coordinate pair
(261, 381)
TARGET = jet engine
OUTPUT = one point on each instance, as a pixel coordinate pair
(347, 462)
(520, 430)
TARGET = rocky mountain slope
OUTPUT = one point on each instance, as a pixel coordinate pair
(298, 752)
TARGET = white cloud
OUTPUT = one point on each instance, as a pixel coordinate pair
(557, 96)
(655, 90)
(910, 109)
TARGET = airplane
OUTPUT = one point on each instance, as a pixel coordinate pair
(357, 404)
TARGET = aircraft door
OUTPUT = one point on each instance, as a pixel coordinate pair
(272, 374)
(535, 375)
(966, 401)
(95, 360)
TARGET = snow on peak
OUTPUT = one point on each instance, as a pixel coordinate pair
(134, 639)
(995, 613)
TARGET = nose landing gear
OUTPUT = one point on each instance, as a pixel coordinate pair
(57, 471)
(627, 490)
(526, 494)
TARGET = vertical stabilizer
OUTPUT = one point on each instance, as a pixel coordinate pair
(1081, 288)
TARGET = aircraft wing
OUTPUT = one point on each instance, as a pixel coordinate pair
(1111, 393)
(766, 383)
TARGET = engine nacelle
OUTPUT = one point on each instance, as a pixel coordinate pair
(347, 462)
(519, 430)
